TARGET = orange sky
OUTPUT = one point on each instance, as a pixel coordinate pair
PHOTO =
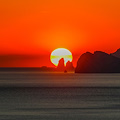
(34, 28)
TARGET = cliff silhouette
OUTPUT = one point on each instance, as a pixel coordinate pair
(117, 53)
(99, 62)
(62, 67)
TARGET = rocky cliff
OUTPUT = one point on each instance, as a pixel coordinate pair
(99, 62)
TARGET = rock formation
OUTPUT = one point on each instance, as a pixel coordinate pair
(69, 66)
(61, 66)
(117, 53)
(99, 62)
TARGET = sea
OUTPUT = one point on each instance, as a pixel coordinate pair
(59, 96)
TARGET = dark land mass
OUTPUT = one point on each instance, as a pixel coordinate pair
(28, 69)
(117, 53)
(99, 62)
(60, 68)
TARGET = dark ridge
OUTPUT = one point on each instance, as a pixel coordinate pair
(26, 69)
(99, 62)
(117, 53)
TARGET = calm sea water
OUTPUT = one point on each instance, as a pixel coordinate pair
(59, 96)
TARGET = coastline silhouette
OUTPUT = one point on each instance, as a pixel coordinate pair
(99, 62)
(117, 53)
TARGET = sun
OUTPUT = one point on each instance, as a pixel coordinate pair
(59, 53)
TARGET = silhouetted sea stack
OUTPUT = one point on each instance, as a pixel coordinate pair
(61, 67)
(99, 62)
(69, 66)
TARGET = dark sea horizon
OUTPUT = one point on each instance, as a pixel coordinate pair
(59, 96)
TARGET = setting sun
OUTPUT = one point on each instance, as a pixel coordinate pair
(59, 53)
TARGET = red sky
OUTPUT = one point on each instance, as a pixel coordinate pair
(31, 29)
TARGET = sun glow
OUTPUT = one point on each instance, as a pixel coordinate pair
(59, 53)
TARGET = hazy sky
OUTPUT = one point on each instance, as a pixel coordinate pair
(36, 27)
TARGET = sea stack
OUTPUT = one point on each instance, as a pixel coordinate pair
(61, 66)
(69, 66)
